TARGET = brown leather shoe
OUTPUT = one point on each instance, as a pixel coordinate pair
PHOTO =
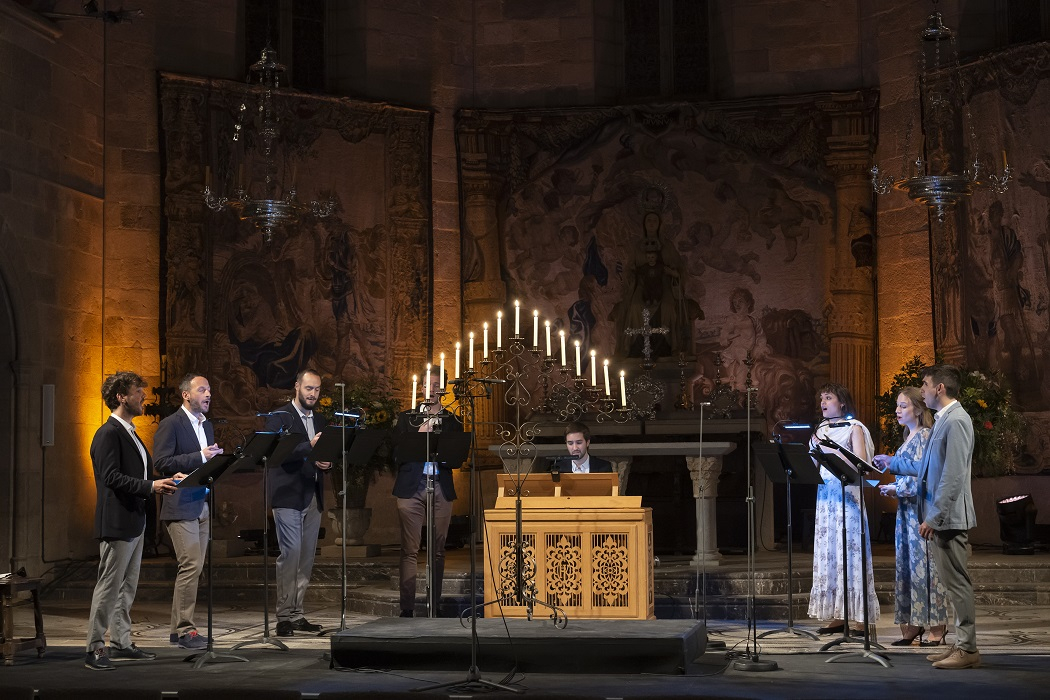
(960, 659)
(941, 655)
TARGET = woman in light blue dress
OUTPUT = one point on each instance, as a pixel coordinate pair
(921, 603)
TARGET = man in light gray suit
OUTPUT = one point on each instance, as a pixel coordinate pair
(946, 504)
(185, 440)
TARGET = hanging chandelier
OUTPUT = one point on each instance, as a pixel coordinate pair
(929, 177)
(259, 192)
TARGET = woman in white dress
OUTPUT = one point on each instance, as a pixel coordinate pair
(826, 598)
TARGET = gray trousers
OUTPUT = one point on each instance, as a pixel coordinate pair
(190, 540)
(118, 579)
(950, 556)
(297, 537)
(413, 515)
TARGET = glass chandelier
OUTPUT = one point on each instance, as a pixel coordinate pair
(260, 194)
(929, 177)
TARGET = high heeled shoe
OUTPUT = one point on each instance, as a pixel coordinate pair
(837, 629)
(908, 641)
(932, 642)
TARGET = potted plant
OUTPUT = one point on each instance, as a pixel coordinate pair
(998, 429)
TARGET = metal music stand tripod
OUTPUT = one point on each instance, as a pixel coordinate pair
(349, 445)
(847, 475)
(278, 446)
(206, 476)
(784, 464)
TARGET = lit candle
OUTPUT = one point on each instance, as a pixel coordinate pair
(457, 360)
(579, 366)
(470, 355)
(536, 329)
(441, 374)
(415, 380)
(605, 366)
(517, 318)
(547, 324)
(485, 342)
(594, 370)
(623, 390)
(426, 385)
(499, 332)
(561, 334)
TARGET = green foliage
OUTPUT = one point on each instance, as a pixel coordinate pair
(998, 429)
(381, 410)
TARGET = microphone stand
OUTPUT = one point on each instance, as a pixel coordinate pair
(473, 679)
(751, 660)
(342, 524)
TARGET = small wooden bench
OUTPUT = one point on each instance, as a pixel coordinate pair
(10, 587)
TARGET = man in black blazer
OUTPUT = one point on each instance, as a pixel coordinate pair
(296, 490)
(578, 443)
(122, 466)
(410, 488)
(185, 440)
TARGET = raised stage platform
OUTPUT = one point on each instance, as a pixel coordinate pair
(530, 646)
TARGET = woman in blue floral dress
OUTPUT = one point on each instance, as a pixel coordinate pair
(920, 605)
(827, 597)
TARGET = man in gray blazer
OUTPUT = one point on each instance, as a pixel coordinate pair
(946, 504)
(185, 440)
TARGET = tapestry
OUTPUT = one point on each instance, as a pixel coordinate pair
(1003, 317)
(347, 294)
(717, 220)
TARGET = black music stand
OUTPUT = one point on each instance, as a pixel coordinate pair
(847, 475)
(206, 475)
(265, 448)
(360, 445)
(450, 448)
(786, 464)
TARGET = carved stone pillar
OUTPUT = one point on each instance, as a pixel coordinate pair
(704, 471)
(850, 306)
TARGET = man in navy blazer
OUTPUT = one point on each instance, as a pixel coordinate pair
(578, 443)
(296, 492)
(185, 441)
(946, 505)
(410, 489)
(122, 467)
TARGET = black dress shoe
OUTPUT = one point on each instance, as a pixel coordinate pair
(831, 630)
(304, 625)
(285, 629)
(131, 653)
(98, 660)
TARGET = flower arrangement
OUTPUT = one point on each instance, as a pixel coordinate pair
(380, 412)
(998, 429)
